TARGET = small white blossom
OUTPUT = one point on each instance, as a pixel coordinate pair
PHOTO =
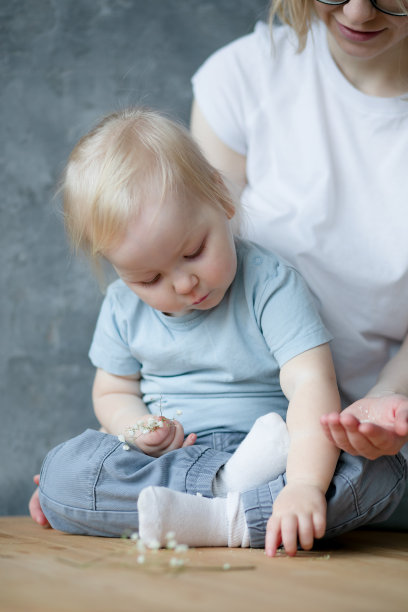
(126, 447)
(134, 536)
(181, 548)
(174, 562)
(121, 438)
(140, 547)
(153, 544)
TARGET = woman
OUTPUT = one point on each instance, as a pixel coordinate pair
(312, 131)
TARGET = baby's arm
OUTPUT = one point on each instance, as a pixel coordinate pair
(118, 406)
(299, 512)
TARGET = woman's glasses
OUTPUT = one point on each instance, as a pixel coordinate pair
(398, 8)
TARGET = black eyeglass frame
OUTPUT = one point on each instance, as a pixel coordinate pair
(373, 2)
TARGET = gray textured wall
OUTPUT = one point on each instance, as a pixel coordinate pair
(63, 64)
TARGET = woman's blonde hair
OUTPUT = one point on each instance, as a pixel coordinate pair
(130, 156)
(298, 14)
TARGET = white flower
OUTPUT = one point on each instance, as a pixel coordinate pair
(174, 562)
(181, 548)
(153, 544)
(134, 536)
(121, 438)
(126, 447)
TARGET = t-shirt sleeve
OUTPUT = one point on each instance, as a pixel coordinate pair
(224, 90)
(109, 349)
(288, 316)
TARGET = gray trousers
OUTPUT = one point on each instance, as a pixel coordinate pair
(90, 485)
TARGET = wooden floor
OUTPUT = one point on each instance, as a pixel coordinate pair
(42, 569)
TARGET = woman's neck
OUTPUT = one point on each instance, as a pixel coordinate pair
(385, 76)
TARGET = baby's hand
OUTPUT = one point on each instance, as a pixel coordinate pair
(299, 515)
(156, 435)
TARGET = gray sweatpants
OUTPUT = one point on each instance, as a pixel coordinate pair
(90, 485)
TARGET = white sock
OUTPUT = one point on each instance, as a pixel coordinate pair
(260, 457)
(195, 520)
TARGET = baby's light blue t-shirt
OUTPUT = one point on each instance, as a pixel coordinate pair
(220, 367)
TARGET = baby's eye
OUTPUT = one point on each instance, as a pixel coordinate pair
(153, 281)
(196, 252)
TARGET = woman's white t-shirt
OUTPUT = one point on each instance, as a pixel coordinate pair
(327, 172)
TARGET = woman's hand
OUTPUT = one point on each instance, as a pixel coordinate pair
(371, 427)
(299, 516)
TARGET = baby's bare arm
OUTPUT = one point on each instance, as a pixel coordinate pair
(119, 408)
(117, 401)
(299, 512)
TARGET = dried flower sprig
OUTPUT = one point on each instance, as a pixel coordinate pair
(143, 427)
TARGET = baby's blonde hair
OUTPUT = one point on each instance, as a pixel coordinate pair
(130, 156)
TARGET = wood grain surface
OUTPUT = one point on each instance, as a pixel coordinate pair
(48, 571)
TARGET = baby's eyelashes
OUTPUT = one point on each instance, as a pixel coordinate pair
(152, 281)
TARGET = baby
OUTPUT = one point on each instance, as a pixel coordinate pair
(201, 325)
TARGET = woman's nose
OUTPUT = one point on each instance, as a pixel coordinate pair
(359, 11)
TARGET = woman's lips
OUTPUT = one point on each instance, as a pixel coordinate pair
(356, 35)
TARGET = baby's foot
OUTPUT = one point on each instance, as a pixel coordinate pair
(260, 458)
(195, 521)
(156, 435)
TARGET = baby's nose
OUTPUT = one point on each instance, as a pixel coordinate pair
(185, 283)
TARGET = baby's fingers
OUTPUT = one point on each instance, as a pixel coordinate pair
(310, 527)
(273, 537)
(289, 529)
(190, 440)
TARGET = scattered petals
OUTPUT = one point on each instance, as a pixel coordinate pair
(153, 544)
(181, 548)
(175, 562)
